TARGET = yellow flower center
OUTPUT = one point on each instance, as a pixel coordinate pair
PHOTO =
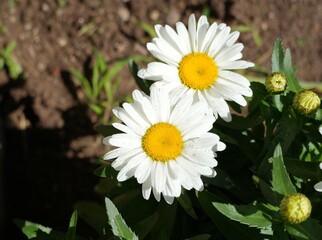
(162, 142)
(198, 71)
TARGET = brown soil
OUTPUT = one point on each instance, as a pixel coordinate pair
(50, 144)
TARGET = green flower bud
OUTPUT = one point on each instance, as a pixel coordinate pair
(306, 102)
(295, 208)
(275, 82)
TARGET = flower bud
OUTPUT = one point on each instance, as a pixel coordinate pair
(295, 208)
(275, 82)
(306, 102)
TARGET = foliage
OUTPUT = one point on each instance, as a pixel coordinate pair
(100, 87)
(9, 62)
(272, 151)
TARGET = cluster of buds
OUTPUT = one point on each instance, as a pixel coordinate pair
(295, 208)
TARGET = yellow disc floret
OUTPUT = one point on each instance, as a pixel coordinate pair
(198, 71)
(162, 142)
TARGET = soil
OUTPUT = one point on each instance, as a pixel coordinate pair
(49, 145)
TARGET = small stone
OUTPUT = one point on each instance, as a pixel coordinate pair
(124, 14)
(45, 7)
(62, 42)
(154, 15)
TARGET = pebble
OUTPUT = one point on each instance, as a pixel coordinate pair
(124, 14)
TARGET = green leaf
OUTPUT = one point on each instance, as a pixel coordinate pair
(37, 231)
(1, 63)
(292, 82)
(106, 172)
(281, 182)
(9, 48)
(147, 28)
(144, 227)
(310, 229)
(271, 196)
(106, 130)
(289, 125)
(95, 77)
(250, 215)
(93, 214)
(186, 203)
(167, 219)
(143, 84)
(86, 86)
(119, 227)
(97, 108)
(30, 229)
(278, 56)
(71, 233)
(230, 229)
(318, 115)
(200, 237)
(302, 169)
(111, 73)
(259, 93)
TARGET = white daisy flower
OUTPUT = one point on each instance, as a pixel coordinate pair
(197, 62)
(164, 146)
(318, 186)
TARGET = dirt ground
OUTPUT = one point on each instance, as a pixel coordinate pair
(50, 145)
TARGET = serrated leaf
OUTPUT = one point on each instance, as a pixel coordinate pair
(281, 182)
(119, 227)
(30, 229)
(278, 56)
(71, 232)
(37, 231)
(230, 229)
(311, 229)
(250, 215)
(292, 82)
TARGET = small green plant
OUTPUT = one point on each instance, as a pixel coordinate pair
(8, 61)
(12, 3)
(62, 3)
(100, 89)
